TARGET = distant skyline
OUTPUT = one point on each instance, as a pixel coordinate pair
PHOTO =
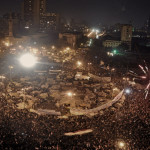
(94, 12)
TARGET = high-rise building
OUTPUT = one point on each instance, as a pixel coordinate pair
(32, 12)
(39, 11)
(126, 34)
(49, 22)
(147, 27)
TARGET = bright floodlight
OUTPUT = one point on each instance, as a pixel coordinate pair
(121, 144)
(28, 60)
(69, 94)
(79, 63)
(127, 91)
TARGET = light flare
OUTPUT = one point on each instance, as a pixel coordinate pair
(141, 67)
(28, 60)
(146, 77)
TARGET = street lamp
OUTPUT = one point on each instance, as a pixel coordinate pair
(70, 94)
(89, 66)
(112, 70)
(79, 63)
(68, 48)
(121, 145)
(53, 47)
(10, 71)
(2, 77)
(28, 60)
(24, 97)
(114, 52)
(128, 91)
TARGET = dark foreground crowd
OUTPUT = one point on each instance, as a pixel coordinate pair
(21, 129)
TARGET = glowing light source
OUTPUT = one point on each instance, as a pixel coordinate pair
(113, 69)
(7, 44)
(26, 27)
(146, 77)
(68, 48)
(127, 91)
(69, 94)
(79, 63)
(110, 54)
(53, 47)
(10, 67)
(2, 77)
(28, 60)
(115, 51)
(121, 144)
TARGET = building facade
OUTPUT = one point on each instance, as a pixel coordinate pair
(49, 22)
(32, 12)
(70, 38)
(126, 34)
(111, 43)
(147, 26)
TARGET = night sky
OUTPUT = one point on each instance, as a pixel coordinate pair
(93, 11)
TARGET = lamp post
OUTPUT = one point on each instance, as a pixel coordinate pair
(10, 71)
(70, 94)
(24, 97)
(112, 70)
(2, 77)
(89, 67)
(128, 91)
(121, 145)
(79, 64)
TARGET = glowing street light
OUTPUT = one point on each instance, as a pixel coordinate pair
(10, 69)
(70, 94)
(113, 69)
(79, 63)
(2, 77)
(53, 47)
(7, 44)
(121, 144)
(115, 51)
(68, 48)
(26, 27)
(28, 60)
(110, 54)
(128, 91)
(89, 63)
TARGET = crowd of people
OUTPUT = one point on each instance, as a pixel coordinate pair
(21, 129)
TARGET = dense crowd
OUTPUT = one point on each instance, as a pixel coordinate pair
(21, 129)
